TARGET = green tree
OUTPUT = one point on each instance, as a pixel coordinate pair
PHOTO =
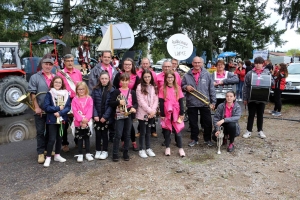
(293, 52)
(290, 11)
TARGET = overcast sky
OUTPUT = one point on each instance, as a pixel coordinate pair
(290, 35)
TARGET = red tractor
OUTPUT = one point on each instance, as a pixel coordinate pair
(12, 79)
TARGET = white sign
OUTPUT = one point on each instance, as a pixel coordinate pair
(260, 53)
(179, 46)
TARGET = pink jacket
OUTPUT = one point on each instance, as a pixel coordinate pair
(146, 106)
(79, 112)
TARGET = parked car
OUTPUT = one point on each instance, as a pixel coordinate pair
(157, 68)
(160, 62)
(292, 87)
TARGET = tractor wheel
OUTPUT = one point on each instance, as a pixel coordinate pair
(11, 88)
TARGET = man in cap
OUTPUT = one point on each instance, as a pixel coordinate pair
(39, 85)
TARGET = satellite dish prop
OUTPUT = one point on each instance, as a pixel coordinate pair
(180, 47)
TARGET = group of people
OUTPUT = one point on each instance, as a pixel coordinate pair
(111, 100)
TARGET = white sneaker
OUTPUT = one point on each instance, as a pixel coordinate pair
(103, 155)
(89, 157)
(150, 152)
(97, 155)
(58, 158)
(142, 154)
(261, 135)
(47, 162)
(247, 134)
(79, 158)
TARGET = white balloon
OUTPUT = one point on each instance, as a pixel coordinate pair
(179, 46)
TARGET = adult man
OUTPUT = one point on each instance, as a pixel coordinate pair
(161, 76)
(53, 55)
(38, 86)
(174, 64)
(71, 77)
(198, 78)
(146, 65)
(223, 81)
(104, 65)
(94, 78)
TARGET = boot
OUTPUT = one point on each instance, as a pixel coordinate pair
(125, 155)
(115, 157)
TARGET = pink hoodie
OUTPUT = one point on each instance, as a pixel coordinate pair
(80, 112)
(147, 103)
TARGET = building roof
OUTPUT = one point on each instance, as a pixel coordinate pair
(277, 53)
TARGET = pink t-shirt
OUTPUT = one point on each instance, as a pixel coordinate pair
(129, 99)
(220, 76)
(228, 110)
(196, 76)
(108, 68)
(48, 80)
(76, 77)
(82, 108)
(171, 95)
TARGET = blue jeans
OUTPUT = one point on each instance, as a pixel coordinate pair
(239, 90)
(40, 125)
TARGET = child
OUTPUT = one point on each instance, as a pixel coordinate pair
(82, 107)
(254, 107)
(171, 111)
(56, 105)
(123, 99)
(279, 77)
(146, 93)
(102, 113)
(227, 115)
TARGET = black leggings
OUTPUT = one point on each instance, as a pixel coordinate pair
(178, 138)
(101, 134)
(257, 108)
(277, 100)
(54, 137)
(229, 129)
(145, 129)
(132, 135)
(83, 134)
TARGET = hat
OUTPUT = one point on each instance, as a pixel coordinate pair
(48, 60)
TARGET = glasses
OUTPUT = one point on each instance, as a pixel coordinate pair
(167, 66)
(80, 89)
(68, 60)
(197, 62)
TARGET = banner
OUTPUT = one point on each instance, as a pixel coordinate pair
(261, 53)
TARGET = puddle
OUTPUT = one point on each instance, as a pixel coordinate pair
(17, 128)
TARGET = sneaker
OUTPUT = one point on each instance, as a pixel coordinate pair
(193, 143)
(142, 154)
(150, 152)
(154, 135)
(209, 143)
(97, 155)
(247, 134)
(89, 157)
(125, 155)
(261, 135)
(230, 147)
(277, 114)
(168, 151)
(47, 162)
(41, 158)
(134, 146)
(79, 158)
(115, 157)
(137, 135)
(181, 152)
(272, 112)
(58, 158)
(103, 155)
(65, 148)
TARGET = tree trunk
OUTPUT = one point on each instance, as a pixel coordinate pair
(66, 26)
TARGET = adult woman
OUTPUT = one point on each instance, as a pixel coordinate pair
(128, 68)
(148, 101)
(240, 72)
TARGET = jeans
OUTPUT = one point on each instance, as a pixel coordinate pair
(54, 136)
(40, 125)
(206, 122)
(123, 126)
(239, 90)
(277, 100)
(111, 129)
(145, 130)
(101, 134)
(257, 108)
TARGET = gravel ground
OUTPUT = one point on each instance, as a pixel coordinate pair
(257, 169)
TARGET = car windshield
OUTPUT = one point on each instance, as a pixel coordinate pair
(294, 69)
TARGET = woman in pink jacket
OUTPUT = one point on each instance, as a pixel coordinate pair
(146, 93)
(82, 107)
